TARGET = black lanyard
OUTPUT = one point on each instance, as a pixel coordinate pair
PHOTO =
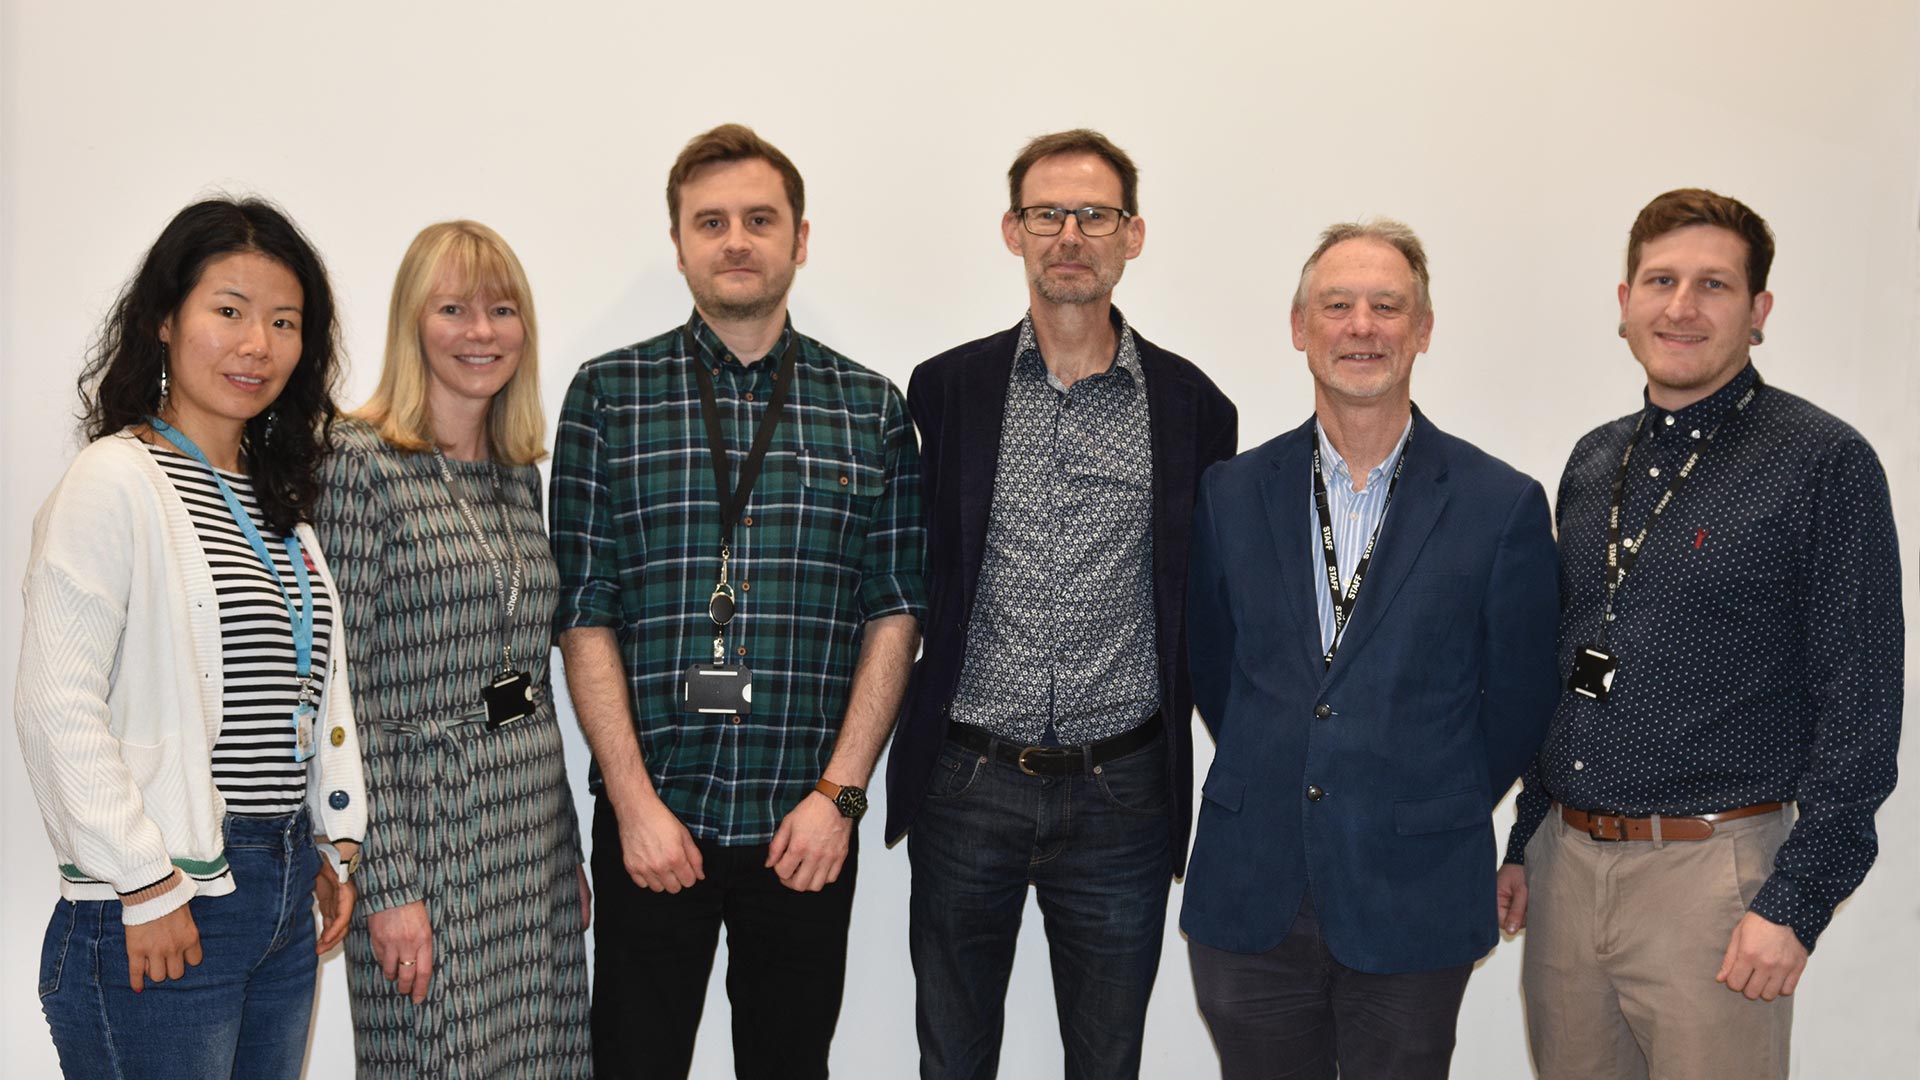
(1622, 554)
(506, 579)
(1343, 602)
(733, 501)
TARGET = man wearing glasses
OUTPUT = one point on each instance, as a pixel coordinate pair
(1045, 740)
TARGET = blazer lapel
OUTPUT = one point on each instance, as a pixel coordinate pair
(1170, 425)
(1416, 506)
(1284, 491)
(983, 405)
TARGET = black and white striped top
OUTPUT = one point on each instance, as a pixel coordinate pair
(253, 763)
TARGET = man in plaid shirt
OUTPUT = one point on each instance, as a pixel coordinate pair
(745, 818)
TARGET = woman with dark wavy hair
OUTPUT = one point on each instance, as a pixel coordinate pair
(182, 699)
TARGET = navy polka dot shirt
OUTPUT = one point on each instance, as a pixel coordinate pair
(1759, 637)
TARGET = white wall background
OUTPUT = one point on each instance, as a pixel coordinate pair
(1518, 137)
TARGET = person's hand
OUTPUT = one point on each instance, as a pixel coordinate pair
(810, 844)
(335, 899)
(403, 944)
(1510, 897)
(658, 851)
(162, 949)
(586, 900)
(1764, 959)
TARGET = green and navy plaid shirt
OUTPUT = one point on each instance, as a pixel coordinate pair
(830, 538)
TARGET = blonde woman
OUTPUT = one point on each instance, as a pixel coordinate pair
(468, 956)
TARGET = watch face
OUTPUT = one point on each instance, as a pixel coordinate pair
(852, 802)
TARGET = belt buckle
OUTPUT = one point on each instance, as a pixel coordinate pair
(1597, 822)
(1021, 761)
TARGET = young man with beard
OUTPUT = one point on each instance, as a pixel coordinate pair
(1732, 647)
(1046, 740)
(736, 520)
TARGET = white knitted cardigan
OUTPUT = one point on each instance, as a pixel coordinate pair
(118, 700)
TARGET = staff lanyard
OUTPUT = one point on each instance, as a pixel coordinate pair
(733, 500)
(1622, 554)
(506, 580)
(1343, 601)
(300, 617)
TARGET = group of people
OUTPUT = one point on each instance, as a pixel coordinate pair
(756, 574)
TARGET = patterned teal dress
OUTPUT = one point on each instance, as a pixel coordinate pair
(478, 824)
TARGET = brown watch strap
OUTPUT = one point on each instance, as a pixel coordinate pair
(828, 788)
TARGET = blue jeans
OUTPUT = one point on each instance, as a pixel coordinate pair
(1095, 847)
(243, 1012)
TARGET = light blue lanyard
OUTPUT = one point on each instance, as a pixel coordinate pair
(302, 616)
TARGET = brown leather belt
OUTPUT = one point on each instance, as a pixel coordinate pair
(1604, 826)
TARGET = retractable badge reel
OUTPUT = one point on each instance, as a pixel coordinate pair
(720, 687)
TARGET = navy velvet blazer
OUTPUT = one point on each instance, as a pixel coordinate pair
(958, 400)
(1439, 696)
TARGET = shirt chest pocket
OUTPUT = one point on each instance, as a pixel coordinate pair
(837, 471)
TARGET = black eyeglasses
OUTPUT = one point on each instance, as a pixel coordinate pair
(1094, 220)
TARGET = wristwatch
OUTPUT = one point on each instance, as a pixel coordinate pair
(342, 868)
(851, 800)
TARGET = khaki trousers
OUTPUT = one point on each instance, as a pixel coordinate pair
(1623, 941)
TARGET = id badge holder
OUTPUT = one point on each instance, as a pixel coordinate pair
(718, 689)
(305, 719)
(509, 698)
(1593, 671)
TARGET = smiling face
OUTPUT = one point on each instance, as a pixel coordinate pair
(1071, 268)
(1361, 324)
(1689, 314)
(472, 342)
(231, 347)
(737, 241)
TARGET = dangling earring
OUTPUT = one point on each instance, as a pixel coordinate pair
(1623, 328)
(1757, 337)
(266, 433)
(163, 374)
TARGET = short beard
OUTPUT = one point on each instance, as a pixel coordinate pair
(741, 311)
(1092, 292)
(746, 310)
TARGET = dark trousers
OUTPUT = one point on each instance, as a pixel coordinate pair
(653, 953)
(1094, 847)
(1296, 1013)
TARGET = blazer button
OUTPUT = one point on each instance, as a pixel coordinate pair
(1323, 710)
(1314, 793)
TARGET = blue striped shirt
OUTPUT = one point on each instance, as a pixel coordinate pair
(1355, 515)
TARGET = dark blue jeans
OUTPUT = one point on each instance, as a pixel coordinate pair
(243, 1012)
(1095, 849)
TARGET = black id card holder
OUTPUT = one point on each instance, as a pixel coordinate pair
(1593, 671)
(509, 698)
(718, 688)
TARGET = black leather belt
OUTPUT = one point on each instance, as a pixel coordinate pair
(1054, 760)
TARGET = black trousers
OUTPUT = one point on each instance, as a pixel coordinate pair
(653, 954)
(1296, 1013)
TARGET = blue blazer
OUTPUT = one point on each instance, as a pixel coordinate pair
(958, 400)
(1437, 700)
